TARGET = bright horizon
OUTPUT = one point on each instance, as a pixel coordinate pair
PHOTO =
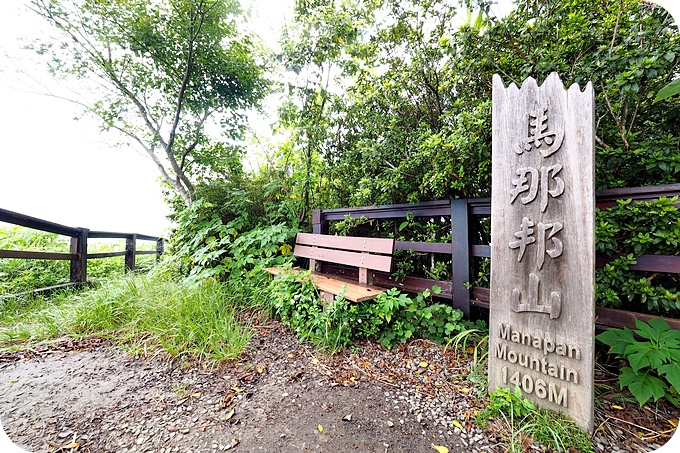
(67, 171)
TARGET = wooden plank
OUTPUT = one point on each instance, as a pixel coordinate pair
(38, 224)
(375, 262)
(483, 251)
(396, 211)
(612, 317)
(95, 256)
(20, 254)
(350, 290)
(115, 235)
(608, 197)
(145, 252)
(337, 285)
(387, 280)
(647, 263)
(357, 244)
(424, 247)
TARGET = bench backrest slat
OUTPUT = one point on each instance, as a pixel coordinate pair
(360, 260)
(357, 244)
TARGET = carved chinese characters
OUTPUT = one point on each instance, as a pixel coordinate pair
(542, 251)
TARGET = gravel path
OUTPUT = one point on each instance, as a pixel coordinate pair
(282, 396)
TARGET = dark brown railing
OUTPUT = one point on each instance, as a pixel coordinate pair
(78, 255)
(465, 214)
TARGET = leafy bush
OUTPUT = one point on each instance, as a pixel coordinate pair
(391, 318)
(634, 229)
(654, 370)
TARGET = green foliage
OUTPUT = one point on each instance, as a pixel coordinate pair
(20, 275)
(205, 248)
(17, 275)
(407, 317)
(630, 230)
(143, 311)
(392, 317)
(668, 91)
(410, 119)
(521, 420)
(654, 371)
(163, 71)
(295, 300)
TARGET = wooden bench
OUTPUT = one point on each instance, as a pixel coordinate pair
(363, 253)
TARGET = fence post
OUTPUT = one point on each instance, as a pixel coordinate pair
(130, 249)
(460, 255)
(79, 264)
(160, 249)
(319, 226)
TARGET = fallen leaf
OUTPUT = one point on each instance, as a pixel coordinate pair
(234, 442)
(423, 364)
(614, 406)
(290, 355)
(464, 389)
(320, 428)
(673, 422)
(72, 445)
(236, 388)
(230, 414)
(315, 360)
(260, 369)
(227, 399)
(196, 395)
(458, 425)
(440, 449)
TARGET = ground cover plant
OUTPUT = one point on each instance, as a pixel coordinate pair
(140, 312)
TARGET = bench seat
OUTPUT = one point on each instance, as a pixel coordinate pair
(363, 253)
(334, 285)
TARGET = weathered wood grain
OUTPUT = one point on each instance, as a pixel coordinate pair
(543, 245)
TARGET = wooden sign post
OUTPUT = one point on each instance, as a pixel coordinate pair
(542, 318)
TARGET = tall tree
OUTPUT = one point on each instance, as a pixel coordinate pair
(165, 70)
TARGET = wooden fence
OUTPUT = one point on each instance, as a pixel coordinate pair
(78, 255)
(465, 216)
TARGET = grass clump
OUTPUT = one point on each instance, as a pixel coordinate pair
(148, 311)
(522, 424)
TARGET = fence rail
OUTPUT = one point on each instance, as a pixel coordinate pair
(78, 255)
(464, 214)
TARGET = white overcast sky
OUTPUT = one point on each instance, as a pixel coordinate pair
(66, 171)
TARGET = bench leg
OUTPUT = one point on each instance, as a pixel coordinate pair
(328, 297)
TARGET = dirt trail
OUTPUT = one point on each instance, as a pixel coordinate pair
(279, 398)
(89, 396)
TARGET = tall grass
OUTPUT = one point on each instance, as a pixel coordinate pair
(149, 311)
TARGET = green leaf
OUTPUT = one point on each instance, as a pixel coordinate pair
(671, 372)
(643, 386)
(669, 90)
(617, 340)
(641, 355)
